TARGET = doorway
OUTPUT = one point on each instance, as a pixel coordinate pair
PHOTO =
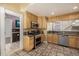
(11, 31)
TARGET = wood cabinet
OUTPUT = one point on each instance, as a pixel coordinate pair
(28, 18)
(73, 41)
(77, 42)
(70, 16)
(42, 22)
(43, 37)
(24, 21)
(53, 38)
(50, 38)
(28, 43)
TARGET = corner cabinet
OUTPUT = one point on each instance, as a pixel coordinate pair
(28, 43)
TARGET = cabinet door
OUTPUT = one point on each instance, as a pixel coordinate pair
(40, 22)
(44, 23)
(55, 38)
(25, 43)
(28, 43)
(50, 38)
(42, 37)
(25, 21)
(72, 41)
(77, 42)
(31, 43)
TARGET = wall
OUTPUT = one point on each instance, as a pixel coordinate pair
(70, 16)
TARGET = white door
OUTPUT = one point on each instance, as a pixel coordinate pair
(8, 34)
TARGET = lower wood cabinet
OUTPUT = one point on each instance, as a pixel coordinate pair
(50, 38)
(28, 43)
(43, 37)
(53, 38)
(77, 42)
(73, 41)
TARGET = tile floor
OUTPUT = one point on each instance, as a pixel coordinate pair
(12, 46)
(49, 50)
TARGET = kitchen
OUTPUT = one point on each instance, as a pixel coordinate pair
(49, 29)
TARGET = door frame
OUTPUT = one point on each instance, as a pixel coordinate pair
(2, 29)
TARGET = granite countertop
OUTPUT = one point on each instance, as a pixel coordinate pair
(66, 32)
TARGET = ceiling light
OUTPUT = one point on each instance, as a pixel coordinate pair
(75, 7)
(52, 13)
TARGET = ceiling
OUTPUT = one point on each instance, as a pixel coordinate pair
(45, 9)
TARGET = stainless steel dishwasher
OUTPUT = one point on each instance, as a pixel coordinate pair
(63, 40)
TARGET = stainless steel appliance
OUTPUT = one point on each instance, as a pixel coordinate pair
(34, 24)
(63, 40)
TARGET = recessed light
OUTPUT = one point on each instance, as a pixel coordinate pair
(52, 13)
(75, 7)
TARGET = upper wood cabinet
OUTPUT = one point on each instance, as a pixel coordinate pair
(42, 22)
(70, 16)
(24, 21)
(28, 18)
